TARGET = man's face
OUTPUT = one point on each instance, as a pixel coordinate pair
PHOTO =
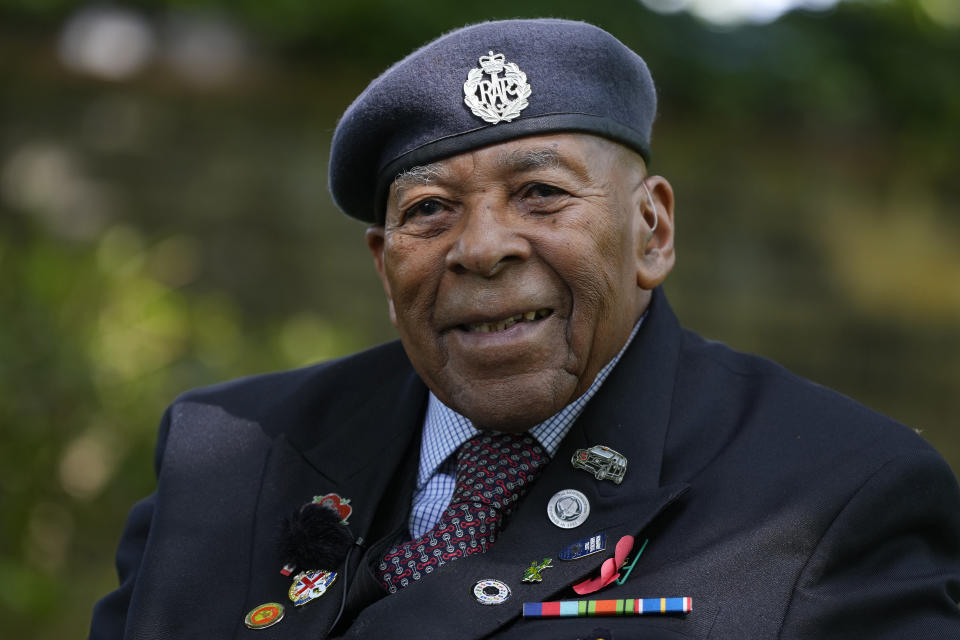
(515, 272)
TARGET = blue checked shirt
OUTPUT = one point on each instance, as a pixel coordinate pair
(444, 430)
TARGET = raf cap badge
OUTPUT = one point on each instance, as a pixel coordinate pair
(492, 97)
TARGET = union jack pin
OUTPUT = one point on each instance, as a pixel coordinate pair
(310, 585)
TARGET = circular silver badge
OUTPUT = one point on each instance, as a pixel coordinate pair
(568, 508)
(491, 591)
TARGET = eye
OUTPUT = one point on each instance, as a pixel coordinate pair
(540, 191)
(424, 208)
(541, 198)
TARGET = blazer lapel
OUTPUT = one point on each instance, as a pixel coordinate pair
(288, 481)
(630, 414)
(365, 458)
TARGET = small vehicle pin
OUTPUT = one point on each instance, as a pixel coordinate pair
(603, 462)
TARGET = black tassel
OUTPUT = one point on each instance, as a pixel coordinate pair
(312, 537)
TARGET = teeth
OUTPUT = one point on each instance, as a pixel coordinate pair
(500, 325)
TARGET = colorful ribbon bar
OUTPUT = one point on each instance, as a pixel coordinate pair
(626, 607)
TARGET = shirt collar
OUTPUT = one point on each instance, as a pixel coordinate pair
(444, 430)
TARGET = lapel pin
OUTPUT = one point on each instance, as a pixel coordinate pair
(264, 615)
(609, 570)
(310, 585)
(582, 548)
(490, 591)
(629, 569)
(624, 607)
(336, 502)
(568, 508)
(532, 573)
(603, 462)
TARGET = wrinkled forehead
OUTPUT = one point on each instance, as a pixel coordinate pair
(483, 85)
(516, 160)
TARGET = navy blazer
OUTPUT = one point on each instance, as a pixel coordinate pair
(783, 509)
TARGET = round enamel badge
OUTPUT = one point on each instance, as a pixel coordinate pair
(491, 591)
(264, 615)
(568, 508)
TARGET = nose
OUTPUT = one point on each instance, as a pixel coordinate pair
(489, 240)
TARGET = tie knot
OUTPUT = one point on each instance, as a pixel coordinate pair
(493, 468)
(504, 450)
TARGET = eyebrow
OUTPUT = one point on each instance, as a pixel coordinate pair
(520, 160)
(418, 176)
(523, 160)
(530, 159)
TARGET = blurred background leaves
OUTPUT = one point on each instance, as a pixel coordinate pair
(164, 220)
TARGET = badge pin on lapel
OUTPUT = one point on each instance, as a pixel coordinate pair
(336, 502)
(602, 461)
(491, 591)
(310, 585)
(610, 570)
(568, 508)
(264, 615)
(532, 573)
(583, 548)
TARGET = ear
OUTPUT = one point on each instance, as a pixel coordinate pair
(375, 242)
(654, 229)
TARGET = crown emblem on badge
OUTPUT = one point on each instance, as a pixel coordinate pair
(493, 63)
(493, 97)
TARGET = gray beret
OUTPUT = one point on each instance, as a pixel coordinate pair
(485, 84)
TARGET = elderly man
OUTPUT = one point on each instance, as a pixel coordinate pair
(546, 453)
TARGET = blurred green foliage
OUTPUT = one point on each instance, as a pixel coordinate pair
(162, 231)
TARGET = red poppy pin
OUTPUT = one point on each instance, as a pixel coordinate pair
(337, 503)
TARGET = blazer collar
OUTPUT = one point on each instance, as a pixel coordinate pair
(361, 448)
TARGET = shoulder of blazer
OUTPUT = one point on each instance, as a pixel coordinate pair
(738, 389)
(336, 388)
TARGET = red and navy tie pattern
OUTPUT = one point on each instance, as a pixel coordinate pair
(494, 470)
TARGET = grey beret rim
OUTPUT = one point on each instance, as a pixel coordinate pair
(484, 136)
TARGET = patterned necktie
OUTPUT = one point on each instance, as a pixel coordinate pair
(494, 470)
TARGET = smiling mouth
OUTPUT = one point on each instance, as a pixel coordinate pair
(505, 323)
